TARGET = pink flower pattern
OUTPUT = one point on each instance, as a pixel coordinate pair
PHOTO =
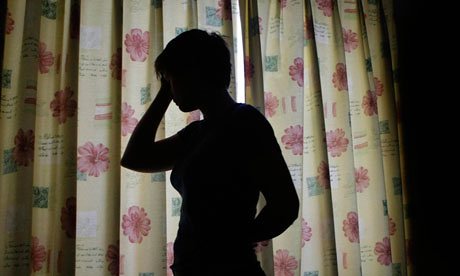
(23, 151)
(128, 122)
(135, 224)
(260, 246)
(306, 232)
(339, 78)
(296, 71)
(323, 175)
(284, 264)
(350, 40)
(383, 251)
(248, 70)
(351, 227)
(271, 104)
(378, 87)
(63, 105)
(93, 159)
(169, 258)
(327, 6)
(115, 64)
(361, 179)
(293, 139)
(113, 258)
(369, 103)
(193, 116)
(45, 58)
(224, 11)
(9, 24)
(336, 142)
(391, 227)
(137, 44)
(37, 254)
(69, 217)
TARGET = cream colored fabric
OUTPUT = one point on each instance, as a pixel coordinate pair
(381, 78)
(98, 132)
(390, 26)
(142, 194)
(335, 103)
(38, 139)
(368, 164)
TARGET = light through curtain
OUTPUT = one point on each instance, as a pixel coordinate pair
(78, 75)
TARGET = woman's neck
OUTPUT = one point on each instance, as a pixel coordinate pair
(217, 106)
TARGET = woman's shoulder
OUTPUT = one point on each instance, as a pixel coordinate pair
(189, 130)
(248, 116)
(247, 111)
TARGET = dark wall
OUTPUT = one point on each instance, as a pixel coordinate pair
(426, 101)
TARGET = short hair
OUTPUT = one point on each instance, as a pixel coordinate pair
(197, 52)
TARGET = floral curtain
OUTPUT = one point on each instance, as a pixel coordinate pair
(77, 76)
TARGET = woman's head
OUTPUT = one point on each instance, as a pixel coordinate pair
(195, 63)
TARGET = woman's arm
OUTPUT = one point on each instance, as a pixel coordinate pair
(282, 202)
(269, 172)
(143, 153)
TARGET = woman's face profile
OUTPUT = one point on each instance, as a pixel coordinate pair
(185, 91)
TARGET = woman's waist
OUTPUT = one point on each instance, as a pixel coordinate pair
(213, 253)
(201, 243)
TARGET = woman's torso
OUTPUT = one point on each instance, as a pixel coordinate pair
(218, 196)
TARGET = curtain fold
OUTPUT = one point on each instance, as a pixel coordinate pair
(368, 166)
(54, 190)
(317, 254)
(77, 76)
(340, 163)
(389, 32)
(381, 80)
(142, 195)
(98, 142)
(282, 93)
(17, 136)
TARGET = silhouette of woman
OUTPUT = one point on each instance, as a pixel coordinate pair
(219, 164)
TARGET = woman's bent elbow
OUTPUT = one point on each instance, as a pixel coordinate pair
(131, 164)
(125, 163)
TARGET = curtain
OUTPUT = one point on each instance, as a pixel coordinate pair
(77, 76)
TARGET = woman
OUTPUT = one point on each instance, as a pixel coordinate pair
(219, 164)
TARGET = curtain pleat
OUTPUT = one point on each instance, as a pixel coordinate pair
(98, 142)
(389, 32)
(338, 132)
(142, 195)
(18, 129)
(318, 243)
(381, 80)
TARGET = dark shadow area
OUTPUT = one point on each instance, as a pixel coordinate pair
(406, 19)
(426, 104)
